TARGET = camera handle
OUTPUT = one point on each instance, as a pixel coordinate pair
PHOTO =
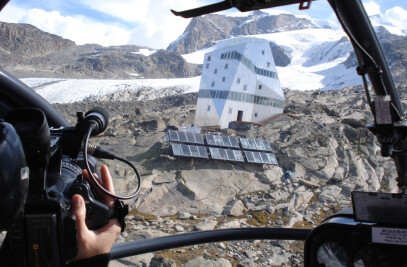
(97, 213)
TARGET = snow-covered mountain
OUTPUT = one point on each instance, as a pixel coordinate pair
(316, 58)
(317, 53)
(309, 54)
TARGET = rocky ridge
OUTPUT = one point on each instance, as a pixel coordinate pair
(323, 150)
(204, 30)
(26, 52)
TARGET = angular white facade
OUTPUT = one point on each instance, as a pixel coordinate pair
(239, 83)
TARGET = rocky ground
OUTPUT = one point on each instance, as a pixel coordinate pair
(323, 144)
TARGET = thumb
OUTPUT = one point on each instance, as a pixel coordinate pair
(79, 210)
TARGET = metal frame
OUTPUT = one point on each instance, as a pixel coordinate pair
(14, 93)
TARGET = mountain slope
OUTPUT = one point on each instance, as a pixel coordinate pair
(202, 31)
(26, 51)
(311, 54)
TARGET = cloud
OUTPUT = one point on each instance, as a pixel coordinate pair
(396, 16)
(138, 22)
(80, 29)
(372, 8)
(154, 24)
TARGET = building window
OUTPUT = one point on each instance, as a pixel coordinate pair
(209, 108)
(245, 87)
(268, 64)
(207, 65)
(213, 84)
(230, 110)
(226, 66)
(238, 81)
(262, 52)
(223, 79)
(215, 71)
(260, 86)
(209, 58)
(255, 114)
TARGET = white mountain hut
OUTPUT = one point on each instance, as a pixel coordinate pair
(239, 83)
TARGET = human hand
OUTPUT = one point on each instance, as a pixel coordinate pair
(100, 241)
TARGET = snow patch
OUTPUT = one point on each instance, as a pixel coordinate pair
(145, 52)
(74, 90)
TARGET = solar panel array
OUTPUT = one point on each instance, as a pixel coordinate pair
(217, 140)
(255, 144)
(226, 154)
(221, 147)
(189, 151)
(261, 157)
(185, 137)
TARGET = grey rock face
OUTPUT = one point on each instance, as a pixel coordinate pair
(328, 154)
(201, 261)
(27, 52)
(204, 30)
(234, 208)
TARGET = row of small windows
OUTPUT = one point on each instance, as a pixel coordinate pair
(236, 55)
(238, 82)
(266, 73)
(241, 97)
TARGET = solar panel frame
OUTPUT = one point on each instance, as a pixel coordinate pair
(249, 156)
(234, 142)
(244, 143)
(209, 139)
(230, 154)
(259, 144)
(173, 135)
(252, 144)
(185, 137)
(265, 158)
(267, 145)
(214, 152)
(182, 137)
(272, 158)
(202, 152)
(226, 141)
(194, 151)
(185, 150)
(198, 138)
(176, 149)
(190, 137)
(238, 155)
(223, 154)
(257, 157)
(255, 144)
(218, 140)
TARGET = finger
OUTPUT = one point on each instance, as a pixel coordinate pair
(108, 184)
(89, 179)
(107, 179)
(79, 210)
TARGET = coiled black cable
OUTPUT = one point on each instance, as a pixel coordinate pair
(112, 156)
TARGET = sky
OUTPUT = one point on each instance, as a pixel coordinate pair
(145, 22)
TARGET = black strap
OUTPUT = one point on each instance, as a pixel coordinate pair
(119, 212)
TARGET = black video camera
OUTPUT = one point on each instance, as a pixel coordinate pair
(45, 233)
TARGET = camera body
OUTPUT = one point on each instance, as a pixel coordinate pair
(45, 232)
